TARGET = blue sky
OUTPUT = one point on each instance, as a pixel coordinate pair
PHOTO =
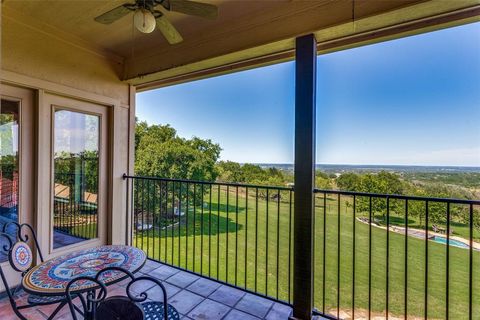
(412, 101)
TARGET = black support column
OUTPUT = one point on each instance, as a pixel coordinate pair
(305, 89)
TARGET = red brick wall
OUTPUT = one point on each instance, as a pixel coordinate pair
(8, 190)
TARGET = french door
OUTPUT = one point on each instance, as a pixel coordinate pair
(78, 168)
(17, 179)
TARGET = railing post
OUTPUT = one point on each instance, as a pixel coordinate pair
(305, 89)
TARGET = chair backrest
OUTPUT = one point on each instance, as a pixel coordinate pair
(97, 306)
(19, 252)
(90, 300)
(135, 297)
(19, 232)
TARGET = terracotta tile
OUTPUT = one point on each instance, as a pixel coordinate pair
(116, 290)
(49, 309)
(6, 311)
(34, 314)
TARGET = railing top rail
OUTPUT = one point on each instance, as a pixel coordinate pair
(232, 184)
(341, 192)
(397, 196)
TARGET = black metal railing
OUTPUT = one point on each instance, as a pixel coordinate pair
(381, 255)
(237, 234)
(376, 255)
(73, 213)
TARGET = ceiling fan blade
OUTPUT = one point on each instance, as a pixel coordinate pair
(168, 30)
(204, 10)
(114, 14)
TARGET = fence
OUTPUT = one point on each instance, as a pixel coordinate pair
(375, 255)
(74, 209)
(234, 233)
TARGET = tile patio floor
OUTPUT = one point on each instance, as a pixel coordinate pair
(193, 296)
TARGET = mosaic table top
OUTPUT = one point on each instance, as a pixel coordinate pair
(52, 276)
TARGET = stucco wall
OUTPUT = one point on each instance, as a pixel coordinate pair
(48, 62)
(33, 51)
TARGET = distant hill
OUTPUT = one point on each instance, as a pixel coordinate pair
(340, 168)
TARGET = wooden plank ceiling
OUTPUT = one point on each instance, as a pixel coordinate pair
(245, 30)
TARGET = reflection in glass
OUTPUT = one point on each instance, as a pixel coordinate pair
(9, 183)
(76, 159)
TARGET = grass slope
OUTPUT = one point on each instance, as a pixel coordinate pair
(238, 244)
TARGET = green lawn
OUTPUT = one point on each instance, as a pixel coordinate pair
(243, 243)
(88, 231)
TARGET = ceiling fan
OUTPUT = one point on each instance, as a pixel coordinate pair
(147, 17)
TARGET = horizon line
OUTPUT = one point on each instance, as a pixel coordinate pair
(371, 165)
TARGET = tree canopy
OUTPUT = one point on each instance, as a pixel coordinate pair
(161, 152)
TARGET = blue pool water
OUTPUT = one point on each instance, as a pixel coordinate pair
(453, 242)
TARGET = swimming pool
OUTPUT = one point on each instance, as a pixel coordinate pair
(453, 242)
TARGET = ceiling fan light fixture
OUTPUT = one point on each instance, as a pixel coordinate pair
(144, 21)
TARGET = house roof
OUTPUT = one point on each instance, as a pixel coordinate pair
(63, 192)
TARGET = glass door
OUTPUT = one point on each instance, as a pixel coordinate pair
(16, 161)
(79, 155)
(75, 163)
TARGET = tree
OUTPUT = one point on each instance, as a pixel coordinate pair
(349, 182)
(229, 171)
(437, 211)
(381, 183)
(323, 180)
(160, 152)
(254, 174)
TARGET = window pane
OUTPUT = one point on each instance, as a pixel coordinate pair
(9, 129)
(76, 158)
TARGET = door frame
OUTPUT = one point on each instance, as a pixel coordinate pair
(26, 159)
(51, 103)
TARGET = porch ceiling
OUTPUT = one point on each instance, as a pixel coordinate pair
(245, 33)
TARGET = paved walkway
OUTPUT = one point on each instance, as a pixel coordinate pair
(193, 296)
(61, 239)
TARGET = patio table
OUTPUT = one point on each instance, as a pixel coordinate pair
(51, 277)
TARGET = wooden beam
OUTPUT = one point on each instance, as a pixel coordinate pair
(440, 21)
(305, 88)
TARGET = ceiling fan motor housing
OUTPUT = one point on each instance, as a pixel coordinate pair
(144, 20)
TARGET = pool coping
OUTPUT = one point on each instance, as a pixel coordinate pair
(401, 230)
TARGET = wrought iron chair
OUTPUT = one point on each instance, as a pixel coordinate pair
(20, 257)
(89, 299)
(130, 307)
